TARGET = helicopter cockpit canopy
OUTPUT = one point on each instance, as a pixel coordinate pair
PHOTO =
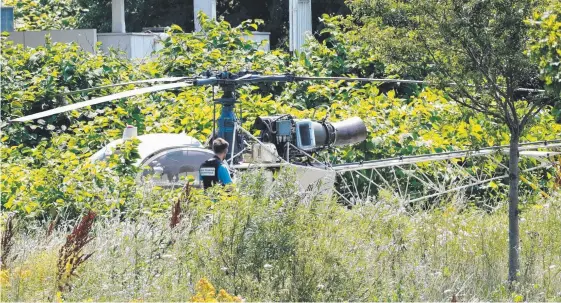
(165, 159)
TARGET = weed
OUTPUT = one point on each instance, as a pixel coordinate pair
(7, 241)
(71, 255)
(184, 197)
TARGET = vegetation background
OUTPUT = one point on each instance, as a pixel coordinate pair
(260, 243)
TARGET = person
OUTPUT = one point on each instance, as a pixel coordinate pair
(213, 171)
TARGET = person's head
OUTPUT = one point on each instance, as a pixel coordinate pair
(220, 147)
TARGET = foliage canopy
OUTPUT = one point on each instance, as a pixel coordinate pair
(43, 154)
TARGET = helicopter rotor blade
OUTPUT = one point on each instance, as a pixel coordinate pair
(244, 77)
(125, 94)
(256, 78)
(205, 81)
(156, 80)
(252, 78)
(305, 78)
(350, 79)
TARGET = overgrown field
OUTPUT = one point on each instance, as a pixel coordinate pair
(257, 241)
(264, 243)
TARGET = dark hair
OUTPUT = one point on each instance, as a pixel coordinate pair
(219, 145)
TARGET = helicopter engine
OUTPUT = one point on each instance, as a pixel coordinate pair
(294, 137)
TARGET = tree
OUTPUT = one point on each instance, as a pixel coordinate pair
(545, 49)
(45, 15)
(477, 52)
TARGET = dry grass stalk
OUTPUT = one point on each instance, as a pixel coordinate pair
(7, 241)
(70, 254)
(558, 174)
(176, 211)
(52, 225)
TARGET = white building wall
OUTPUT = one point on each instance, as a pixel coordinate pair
(135, 45)
(86, 38)
(300, 19)
(260, 37)
(118, 16)
(117, 41)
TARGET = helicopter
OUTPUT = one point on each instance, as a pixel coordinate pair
(285, 141)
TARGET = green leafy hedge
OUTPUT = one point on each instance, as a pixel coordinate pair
(45, 14)
(47, 159)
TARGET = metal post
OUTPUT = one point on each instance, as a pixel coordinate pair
(118, 16)
(227, 119)
(300, 22)
(213, 115)
(233, 152)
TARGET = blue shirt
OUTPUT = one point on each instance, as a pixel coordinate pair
(223, 175)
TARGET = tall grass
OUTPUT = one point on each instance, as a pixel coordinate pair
(268, 243)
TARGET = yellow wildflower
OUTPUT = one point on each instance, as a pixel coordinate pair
(4, 278)
(207, 293)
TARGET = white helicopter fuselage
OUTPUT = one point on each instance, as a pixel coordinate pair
(168, 160)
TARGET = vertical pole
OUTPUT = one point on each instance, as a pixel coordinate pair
(213, 115)
(118, 16)
(227, 120)
(233, 152)
(300, 22)
(291, 24)
(208, 7)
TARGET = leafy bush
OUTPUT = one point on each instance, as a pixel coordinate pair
(45, 14)
(41, 156)
(545, 49)
(34, 77)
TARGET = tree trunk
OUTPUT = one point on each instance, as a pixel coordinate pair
(513, 230)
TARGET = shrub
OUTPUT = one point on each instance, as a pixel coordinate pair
(45, 15)
(42, 155)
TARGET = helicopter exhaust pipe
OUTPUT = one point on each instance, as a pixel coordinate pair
(342, 133)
